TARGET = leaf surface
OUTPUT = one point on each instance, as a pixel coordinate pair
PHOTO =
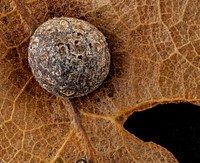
(155, 59)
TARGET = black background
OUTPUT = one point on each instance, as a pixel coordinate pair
(173, 126)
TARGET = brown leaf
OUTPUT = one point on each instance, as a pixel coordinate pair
(155, 59)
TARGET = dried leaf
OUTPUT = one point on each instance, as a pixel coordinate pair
(155, 59)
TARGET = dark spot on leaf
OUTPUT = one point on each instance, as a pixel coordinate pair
(4, 20)
(79, 34)
(80, 57)
(51, 14)
(81, 161)
(110, 94)
(110, 90)
(120, 118)
(12, 56)
(97, 99)
(18, 78)
(82, 17)
(59, 160)
(25, 65)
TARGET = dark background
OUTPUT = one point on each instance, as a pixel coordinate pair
(173, 126)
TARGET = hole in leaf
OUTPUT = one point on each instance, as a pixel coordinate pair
(173, 126)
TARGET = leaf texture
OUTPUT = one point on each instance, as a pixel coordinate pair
(155, 50)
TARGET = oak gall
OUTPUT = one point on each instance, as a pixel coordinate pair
(69, 57)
